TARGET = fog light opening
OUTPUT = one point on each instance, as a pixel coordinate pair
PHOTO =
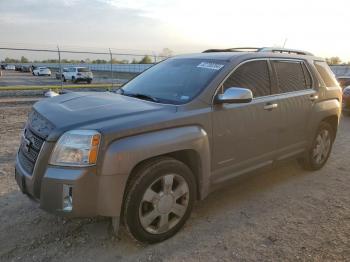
(67, 198)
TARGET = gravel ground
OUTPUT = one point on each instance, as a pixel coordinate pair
(283, 214)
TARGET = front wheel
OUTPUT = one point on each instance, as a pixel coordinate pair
(159, 200)
(317, 156)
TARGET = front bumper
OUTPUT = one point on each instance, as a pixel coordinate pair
(84, 78)
(91, 194)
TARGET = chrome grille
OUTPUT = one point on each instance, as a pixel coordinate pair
(34, 135)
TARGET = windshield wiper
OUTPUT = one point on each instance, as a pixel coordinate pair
(121, 91)
(142, 96)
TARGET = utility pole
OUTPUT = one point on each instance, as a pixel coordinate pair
(155, 57)
(111, 55)
(60, 66)
(285, 41)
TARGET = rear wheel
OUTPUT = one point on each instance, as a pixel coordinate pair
(159, 200)
(89, 81)
(317, 156)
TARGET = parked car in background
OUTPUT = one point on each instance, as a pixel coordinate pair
(59, 74)
(346, 100)
(26, 68)
(77, 74)
(10, 67)
(176, 132)
(343, 81)
(3, 66)
(18, 67)
(41, 71)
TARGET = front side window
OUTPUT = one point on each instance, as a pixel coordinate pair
(291, 76)
(326, 73)
(253, 75)
(175, 81)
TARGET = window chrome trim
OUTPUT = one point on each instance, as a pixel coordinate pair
(267, 59)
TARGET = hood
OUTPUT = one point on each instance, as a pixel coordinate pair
(74, 110)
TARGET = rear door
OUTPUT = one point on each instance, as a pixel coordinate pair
(245, 133)
(295, 98)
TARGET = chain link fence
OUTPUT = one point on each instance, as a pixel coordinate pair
(110, 68)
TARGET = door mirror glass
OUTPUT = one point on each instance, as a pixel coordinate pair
(234, 95)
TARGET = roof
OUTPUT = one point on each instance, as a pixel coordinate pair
(229, 56)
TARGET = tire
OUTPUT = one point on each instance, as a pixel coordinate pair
(142, 213)
(89, 81)
(312, 159)
(64, 79)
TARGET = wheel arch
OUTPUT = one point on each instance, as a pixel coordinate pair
(333, 121)
(189, 144)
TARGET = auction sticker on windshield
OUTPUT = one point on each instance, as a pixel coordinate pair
(212, 66)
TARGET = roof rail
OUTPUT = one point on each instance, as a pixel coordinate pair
(237, 49)
(284, 51)
(261, 49)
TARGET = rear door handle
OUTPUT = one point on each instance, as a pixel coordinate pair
(270, 106)
(313, 97)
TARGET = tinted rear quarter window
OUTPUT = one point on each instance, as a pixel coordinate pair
(253, 75)
(291, 76)
(325, 73)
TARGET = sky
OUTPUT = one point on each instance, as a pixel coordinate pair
(184, 26)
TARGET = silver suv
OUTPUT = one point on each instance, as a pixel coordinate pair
(145, 154)
(77, 74)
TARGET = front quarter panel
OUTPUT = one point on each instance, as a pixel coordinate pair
(124, 154)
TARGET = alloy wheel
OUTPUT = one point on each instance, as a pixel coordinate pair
(164, 203)
(322, 146)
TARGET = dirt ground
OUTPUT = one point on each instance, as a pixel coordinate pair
(276, 215)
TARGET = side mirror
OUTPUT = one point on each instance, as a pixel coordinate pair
(234, 95)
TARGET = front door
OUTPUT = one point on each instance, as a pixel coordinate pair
(245, 133)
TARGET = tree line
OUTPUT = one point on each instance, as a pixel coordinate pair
(335, 60)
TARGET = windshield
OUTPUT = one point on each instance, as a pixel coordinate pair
(175, 81)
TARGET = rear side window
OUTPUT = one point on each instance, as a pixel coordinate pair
(291, 76)
(253, 75)
(326, 73)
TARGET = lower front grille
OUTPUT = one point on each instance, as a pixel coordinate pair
(27, 165)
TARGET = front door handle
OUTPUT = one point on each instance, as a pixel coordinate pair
(270, 106)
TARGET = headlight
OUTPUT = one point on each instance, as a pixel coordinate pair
(76, 148)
